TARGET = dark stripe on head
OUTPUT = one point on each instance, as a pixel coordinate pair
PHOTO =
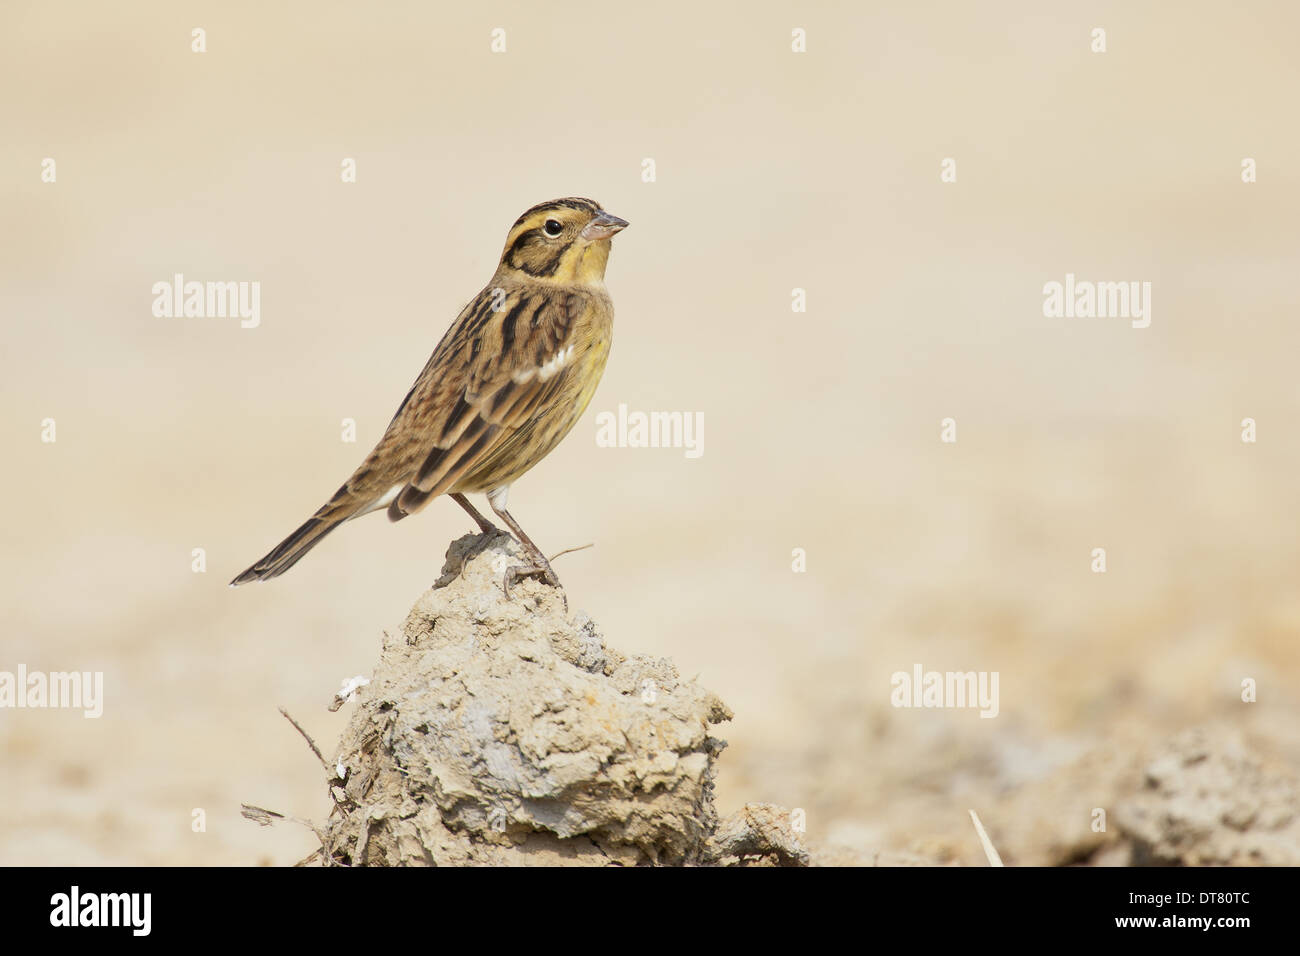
(520, 261)
(572, 202)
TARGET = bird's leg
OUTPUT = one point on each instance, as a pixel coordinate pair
(540, 566)
(487, 527)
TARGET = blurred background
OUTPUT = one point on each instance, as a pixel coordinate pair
(774, 170)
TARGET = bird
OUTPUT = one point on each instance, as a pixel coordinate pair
(506, 383)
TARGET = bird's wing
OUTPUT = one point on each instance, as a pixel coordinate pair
(490, 373)
(487, 378)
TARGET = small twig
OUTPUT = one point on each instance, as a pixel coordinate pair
(989, 851)
(306, 860)
(265, 818)
(260, 816)
(310, 743)
(581, 547)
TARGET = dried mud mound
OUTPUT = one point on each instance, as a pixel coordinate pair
(1208, 800)
(500, 731)
(1210, 795)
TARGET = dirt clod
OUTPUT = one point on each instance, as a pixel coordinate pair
(499, 731)
(1209, 799)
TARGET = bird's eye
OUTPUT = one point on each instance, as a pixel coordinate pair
(552, 227)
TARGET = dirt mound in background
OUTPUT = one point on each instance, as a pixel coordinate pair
(1210, 799)
(499, 731)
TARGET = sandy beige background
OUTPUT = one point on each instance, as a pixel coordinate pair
(775, 171)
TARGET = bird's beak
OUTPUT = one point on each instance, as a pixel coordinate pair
(603, 226)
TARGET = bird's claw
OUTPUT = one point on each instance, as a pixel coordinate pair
(517, 572)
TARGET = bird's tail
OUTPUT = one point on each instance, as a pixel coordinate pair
(291, 550)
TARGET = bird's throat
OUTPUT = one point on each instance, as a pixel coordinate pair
(585, 263)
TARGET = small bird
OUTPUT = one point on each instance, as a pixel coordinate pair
(509, 379)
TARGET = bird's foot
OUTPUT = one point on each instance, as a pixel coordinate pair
(516, 573)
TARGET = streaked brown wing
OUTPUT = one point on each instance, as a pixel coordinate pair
(486, 377)
(424, 410)
(482, 384)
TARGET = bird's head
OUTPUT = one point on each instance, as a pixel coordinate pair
(563, 241)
